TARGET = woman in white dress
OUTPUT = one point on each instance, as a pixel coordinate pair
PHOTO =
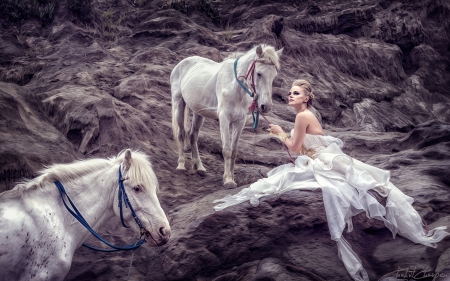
(344, 182)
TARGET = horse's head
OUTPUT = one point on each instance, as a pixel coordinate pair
(266, 69)
(140, 185)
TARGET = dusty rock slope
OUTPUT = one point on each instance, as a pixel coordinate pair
(91, 85)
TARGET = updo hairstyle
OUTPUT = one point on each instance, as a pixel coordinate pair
(309, 92)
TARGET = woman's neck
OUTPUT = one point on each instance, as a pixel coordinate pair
(301, 107)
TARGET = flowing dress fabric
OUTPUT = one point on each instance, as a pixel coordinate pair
(344, 182)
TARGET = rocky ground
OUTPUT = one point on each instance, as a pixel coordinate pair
(88, 85)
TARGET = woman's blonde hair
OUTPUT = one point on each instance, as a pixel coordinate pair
(305, 84)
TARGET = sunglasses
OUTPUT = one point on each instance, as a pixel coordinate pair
(295, 93)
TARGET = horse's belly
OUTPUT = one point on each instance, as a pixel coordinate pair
(206, 112)
(202, 102)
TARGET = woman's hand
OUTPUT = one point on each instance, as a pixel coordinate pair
(275, 129)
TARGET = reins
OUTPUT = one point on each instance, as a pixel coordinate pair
(122, 195)
(253, 108)
(255, 114)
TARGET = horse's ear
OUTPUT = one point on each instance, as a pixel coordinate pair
(127, 160)
(259, 51)
(280, 52)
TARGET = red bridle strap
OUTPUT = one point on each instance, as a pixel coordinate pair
(251, 74)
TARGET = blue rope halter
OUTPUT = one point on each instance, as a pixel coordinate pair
(122, 195)
(255, 114)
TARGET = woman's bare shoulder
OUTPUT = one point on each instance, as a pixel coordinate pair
(305, 115)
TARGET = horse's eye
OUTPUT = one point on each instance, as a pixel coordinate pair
(137, 188)
(258, 74)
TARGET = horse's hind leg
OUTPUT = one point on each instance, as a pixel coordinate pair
(179, 107)
(197, 122)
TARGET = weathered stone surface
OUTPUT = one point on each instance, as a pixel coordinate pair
(28, 140)
(9, 49)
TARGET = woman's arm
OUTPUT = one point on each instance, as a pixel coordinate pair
(296, 141)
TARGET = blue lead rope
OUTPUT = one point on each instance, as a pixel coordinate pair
(81, 219)
(255, 114)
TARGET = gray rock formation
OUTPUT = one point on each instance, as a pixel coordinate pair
(28, 141)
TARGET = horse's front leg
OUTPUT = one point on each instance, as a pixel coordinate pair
(236, 128)
(228, 181)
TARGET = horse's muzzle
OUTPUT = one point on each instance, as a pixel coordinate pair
(264, 108)
(161, 238)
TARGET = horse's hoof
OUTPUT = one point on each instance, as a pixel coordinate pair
(201, 173)
(230, 184)
(181, 168)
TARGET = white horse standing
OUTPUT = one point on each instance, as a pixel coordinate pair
(210, 90)
(38, 236)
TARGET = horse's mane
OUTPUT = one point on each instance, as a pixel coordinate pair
(270, 56)
(233, 56)
(140, 172)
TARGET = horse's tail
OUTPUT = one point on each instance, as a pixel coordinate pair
(175, 126)
(175, 88)
(187, 129)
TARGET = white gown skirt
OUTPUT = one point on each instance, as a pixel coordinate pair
(344, 182)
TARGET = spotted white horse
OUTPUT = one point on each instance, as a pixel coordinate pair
(38, 235)
(211, 90)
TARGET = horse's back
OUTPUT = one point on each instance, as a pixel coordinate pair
(199, 67)
(194, 78)
(190, 62)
